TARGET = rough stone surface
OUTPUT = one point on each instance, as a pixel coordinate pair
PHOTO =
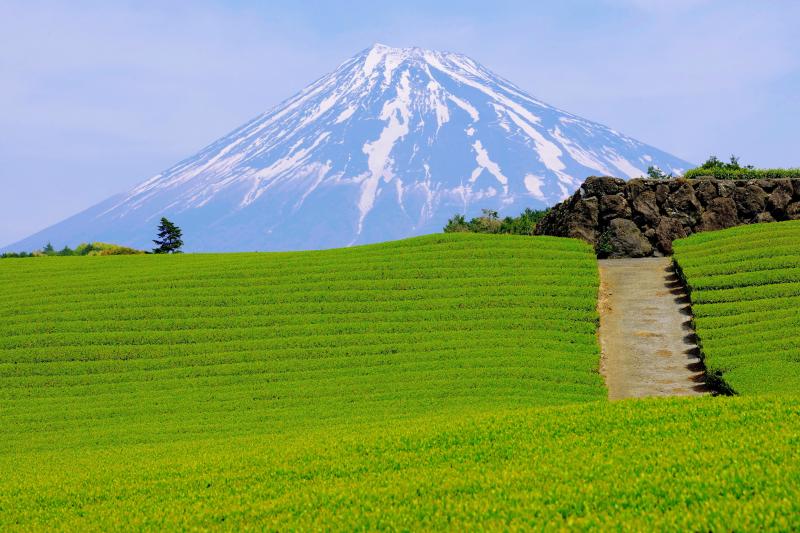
(668, 230)
(602, 186)
(662, 191)
(793, 211)
(642, 217)
(682, 204)
(764, 217)
(584, 225)
(725, 188)
(779, 198)
(706, 191)
(627, 240)
(719, 214)
(645, 208)
(750, 200)
(614, 206)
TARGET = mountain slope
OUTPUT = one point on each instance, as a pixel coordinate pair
(391, 144)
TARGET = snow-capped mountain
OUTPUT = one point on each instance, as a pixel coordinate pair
(389, 145)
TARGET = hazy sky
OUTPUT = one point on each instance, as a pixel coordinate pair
(97, 96)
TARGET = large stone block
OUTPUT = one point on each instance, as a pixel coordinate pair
(720, 213)
(705, 190)
(645, 208)
(613, 206)
(626, 240)
(668, 230)
(683, 205)
(793, 211)
(750, 201)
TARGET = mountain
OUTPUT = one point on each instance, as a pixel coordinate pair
(389, 145)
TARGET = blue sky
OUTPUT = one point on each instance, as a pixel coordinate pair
(98, 96)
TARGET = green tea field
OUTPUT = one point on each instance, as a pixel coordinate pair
(745, 289)
(441, 382)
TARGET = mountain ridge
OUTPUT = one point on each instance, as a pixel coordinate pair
(389, 145)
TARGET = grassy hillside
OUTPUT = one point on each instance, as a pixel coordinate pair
(444, 382)
(745, 288)
(708, 464)
(136, 349)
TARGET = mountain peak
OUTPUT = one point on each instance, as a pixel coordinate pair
(390, 144)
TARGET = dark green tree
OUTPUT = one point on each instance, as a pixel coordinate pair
(169, 238)
(714, 162)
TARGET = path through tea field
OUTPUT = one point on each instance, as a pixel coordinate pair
(645, 330)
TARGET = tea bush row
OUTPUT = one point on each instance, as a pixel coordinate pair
(745, 290)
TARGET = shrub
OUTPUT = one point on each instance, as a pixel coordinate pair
(489, 222)
(86, 248)
(733, 170)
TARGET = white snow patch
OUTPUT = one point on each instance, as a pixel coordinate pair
(378, 151)
(323, 107)
(433, 61)
(470, 132)
(373, 58)
(581, 156)
(534, 185)
(277, 168)
(392, 61)
(466, 106)
(475, 174)
(344, 115)
(548, 152)
(625, 166)
(436, 103)
(398, 185)
(579, 123)
(484, 162)
(321, 173)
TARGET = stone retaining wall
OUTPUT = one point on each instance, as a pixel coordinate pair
(642, 217)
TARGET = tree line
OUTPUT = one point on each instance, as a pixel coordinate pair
(169, 241)
(490, 222)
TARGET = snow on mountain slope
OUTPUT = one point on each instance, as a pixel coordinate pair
(389, 145)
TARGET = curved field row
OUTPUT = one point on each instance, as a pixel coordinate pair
(745, 290)
(91, 347)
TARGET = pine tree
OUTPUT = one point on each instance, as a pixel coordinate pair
(169, 238)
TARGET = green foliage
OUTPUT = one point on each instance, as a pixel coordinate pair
(13, 255)
(102, 248)
(94, 248)
(713, 162)
(653, 172)
(604, 246)
(457, 224)
(745, 288)
(169, 238)
(489, 222)
(733, 170)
